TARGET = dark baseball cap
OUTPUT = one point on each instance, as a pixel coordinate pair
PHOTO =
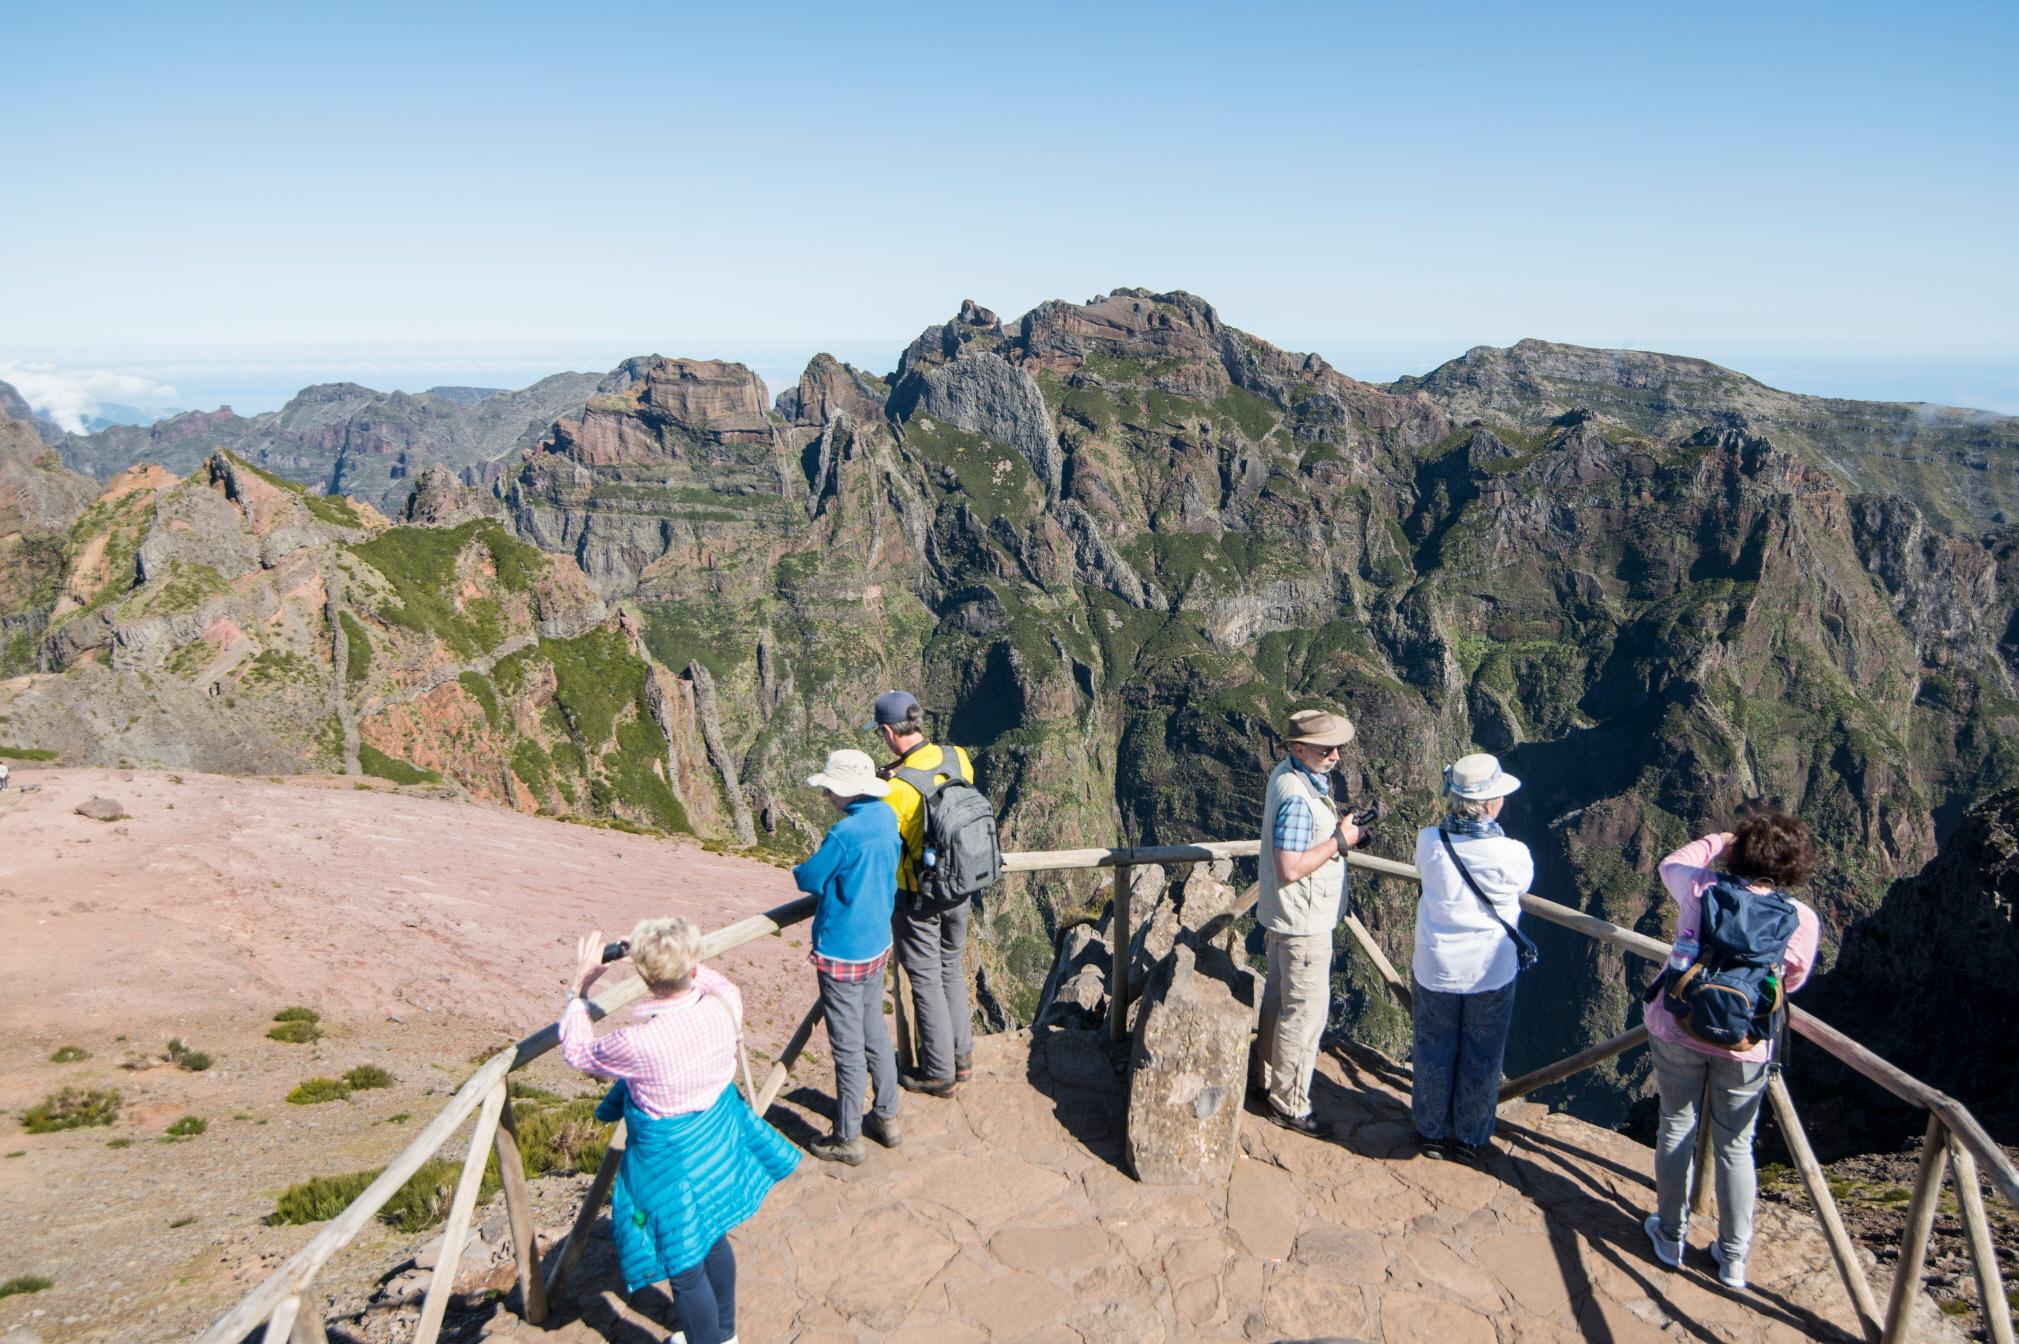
(893, 707)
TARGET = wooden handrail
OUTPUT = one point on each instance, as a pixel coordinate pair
(278, 1299)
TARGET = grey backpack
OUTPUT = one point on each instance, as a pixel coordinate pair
(959, 858)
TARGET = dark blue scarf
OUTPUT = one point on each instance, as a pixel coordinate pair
(1475, 830)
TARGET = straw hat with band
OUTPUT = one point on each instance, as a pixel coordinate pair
(1478, 777)
(1319, 728)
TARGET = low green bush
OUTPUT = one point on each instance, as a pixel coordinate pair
(188, 1127)
(294, 1032)
(417, 1206)
(365, 1077)
(316, 1091)
(26, 1283)
(69, 1054)
(180, 1055)
(297, 1014)
(72, 1108)
(119, 1143)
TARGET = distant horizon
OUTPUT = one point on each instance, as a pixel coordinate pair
(68, 382)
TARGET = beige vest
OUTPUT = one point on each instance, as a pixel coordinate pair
(1313, 903)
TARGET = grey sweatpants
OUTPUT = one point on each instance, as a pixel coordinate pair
(1736, 1089)
(930, 949)
(857, 1036)
(1295, 1000)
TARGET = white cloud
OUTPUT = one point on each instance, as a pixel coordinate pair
(68, 395)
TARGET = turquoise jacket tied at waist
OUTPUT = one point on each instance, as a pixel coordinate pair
(686, 1180)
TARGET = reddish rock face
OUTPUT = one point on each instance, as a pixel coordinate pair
(829, 388)
(706, 400)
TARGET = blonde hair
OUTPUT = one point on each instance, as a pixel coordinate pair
(665, 951)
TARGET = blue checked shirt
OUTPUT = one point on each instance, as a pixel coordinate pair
(1294, 822)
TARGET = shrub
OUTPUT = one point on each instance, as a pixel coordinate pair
(365, 1077)
(188, 1127)
(69, 1054)
(418, 1205)
(563, 1137)
(184, 1221)
(315, 1091)
(294, 1033)
(119, 1143)
(180, 1055)
(26, 1283)
(297, 1015)
(72, 1108)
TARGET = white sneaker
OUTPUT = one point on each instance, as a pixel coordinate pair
(1668, 1251)
(1731, 1274)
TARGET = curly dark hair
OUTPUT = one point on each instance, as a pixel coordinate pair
(1772, 846)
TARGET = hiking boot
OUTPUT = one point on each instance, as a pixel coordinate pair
(963, 1068)
(885, 1132)
(1307, 1124)
(1666, 1249)
(1731, 1273)
(932, 1087)
(1473, 1154)
(1437, 1150)
(834, 1148)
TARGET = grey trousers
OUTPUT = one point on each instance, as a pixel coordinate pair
(930, 949)
(857, 1036)
(1295, 1000)
(1736, 1089)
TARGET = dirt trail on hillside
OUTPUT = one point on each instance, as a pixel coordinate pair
(424, 930)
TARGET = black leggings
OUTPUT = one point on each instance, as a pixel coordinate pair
(704, 1297)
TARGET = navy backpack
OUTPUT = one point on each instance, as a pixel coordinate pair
(1730, 995)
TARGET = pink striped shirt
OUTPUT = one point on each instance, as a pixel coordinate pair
(1687, 874)
(677, 1058)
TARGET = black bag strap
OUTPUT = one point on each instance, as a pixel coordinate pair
(1515, 935)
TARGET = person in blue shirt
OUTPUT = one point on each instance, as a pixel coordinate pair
(853, 875)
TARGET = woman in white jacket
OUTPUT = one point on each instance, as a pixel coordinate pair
(1466, 959)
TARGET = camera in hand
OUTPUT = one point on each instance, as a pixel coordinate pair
(616, 951)
(1367, 815)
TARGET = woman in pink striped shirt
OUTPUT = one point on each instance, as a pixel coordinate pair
(697, 1160)
(1769, 852)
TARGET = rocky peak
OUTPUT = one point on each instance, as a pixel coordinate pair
(830, 388)
(14, 406)
(37, 492)
(974, 328)
(439, 500)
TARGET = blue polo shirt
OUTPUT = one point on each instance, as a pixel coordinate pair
(854, 875)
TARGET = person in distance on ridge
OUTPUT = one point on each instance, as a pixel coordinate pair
(1303, 892)
(931, 943)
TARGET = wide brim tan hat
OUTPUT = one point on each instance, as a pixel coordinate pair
(849, 774)
(1479, 778)
(1320, 728)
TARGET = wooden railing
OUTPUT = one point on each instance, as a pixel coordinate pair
(1954, 1137)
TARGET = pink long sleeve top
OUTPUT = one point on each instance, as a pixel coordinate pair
(677, 1058)
(1687, 874)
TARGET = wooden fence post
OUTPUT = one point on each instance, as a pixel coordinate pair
(1700, 1164)
(1914, 1240)
(1841, 1247)
(436, 1304)
(1389, 975)
(1123, 933)
(280, 1325)
(519, 1210)
(781, 1068)
(1983, 1253)
(308, 1328)
(562, 1260)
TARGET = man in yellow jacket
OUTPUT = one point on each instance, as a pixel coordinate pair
(930, 944)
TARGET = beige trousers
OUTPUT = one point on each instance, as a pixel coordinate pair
(1294, 1003)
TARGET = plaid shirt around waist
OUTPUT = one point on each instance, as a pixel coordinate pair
(850, 971)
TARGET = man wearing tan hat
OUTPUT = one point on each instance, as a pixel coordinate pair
(853, 878)
(1303, 891)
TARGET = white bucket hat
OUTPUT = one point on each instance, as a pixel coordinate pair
(849, 774)
(1478, 777)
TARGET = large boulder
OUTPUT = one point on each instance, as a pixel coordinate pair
(1187, 1068)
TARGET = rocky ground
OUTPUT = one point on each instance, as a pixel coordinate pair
(425, 931)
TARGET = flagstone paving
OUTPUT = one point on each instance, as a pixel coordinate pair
(1005, 1216)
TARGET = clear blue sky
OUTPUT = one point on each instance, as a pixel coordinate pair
(1829, 182)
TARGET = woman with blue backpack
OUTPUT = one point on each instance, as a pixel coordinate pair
(1715, 1015)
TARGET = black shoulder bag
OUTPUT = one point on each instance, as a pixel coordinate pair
(1525, 954)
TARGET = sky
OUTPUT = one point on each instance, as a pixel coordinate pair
(211, 203)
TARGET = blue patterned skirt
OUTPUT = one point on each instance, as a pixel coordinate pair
(686, 1180)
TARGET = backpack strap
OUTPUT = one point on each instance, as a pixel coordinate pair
(1524, 947)
(922, 780)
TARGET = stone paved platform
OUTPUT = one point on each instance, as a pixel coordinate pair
(1005, 1216)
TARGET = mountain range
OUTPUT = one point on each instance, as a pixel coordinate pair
(1111, 544)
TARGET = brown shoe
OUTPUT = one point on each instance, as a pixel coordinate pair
(932, 1087)
(885, 1132)
(963, 1068)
